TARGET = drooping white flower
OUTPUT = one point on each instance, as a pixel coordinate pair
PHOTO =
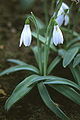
(62, 14)
(25, 36)
(57, 35)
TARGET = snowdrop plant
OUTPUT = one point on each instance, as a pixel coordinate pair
(41, 75)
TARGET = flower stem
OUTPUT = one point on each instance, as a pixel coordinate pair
(39, 55)
(46, 49)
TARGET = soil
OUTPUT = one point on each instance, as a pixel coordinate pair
(31, 107)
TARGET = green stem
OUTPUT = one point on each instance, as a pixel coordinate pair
(46, 47)
(46, 12)
(37, 29)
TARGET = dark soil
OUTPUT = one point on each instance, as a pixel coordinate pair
(31, 107)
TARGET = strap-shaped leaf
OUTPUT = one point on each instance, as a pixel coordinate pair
(20, 91)
(53, 64)
(76, 73)
(20, 67)
(35, 51)
(76, 60)
(53, 80)
(68, 92)
(42, 39)
(73, 41)
(17, 61)
(49, 103)
(69, 56)
(70, 31)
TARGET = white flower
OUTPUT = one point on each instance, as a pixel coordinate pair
(62, 15)
(25, 36)
(57, 35)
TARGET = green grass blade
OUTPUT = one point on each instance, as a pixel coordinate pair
(53, 64)
(49, 103)
(67, 91)
(69, 56)
(20, 91)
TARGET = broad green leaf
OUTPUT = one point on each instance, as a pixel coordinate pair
(76, 73)
(76, 60)
(20, 91)
(69, 56)
(17, 61)
(68, 92)
(42, 39)
(73, 41)
(61, 52)
(49, 103)
(53, 80)
(18, 68)
(53, 64)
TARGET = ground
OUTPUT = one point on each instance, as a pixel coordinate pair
(28, 108)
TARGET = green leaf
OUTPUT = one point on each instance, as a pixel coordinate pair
(17, 61)
(42, 39)
(73, 41)
(49, 103)
(68, 92)
(69, 56)
(76, 60)
(20, 67)
(59, 81)
(38, 21)
(53, 80)
(61, 52)
(76, 73)
(53, 64)
(70, 31)
(20, 91)
(35, 51)
(76, 45)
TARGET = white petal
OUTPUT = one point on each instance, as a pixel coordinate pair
(25, 36)
(66, 20)
(65, 6)
(60, 20)
(57, 36)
